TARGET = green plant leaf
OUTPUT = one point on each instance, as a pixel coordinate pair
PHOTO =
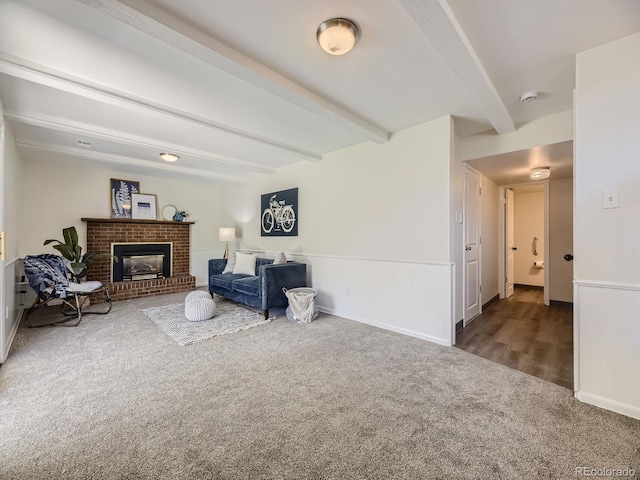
(51, 240)
(76, 267)
(70, 236)
(66, 251)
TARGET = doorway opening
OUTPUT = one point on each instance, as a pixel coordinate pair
(526, 276)
(525, 222)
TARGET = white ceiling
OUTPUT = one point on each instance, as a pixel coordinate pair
(242, 88)
(513, 168)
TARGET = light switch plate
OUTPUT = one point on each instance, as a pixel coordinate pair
(610, 198)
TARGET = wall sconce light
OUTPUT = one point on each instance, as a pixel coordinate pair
(169, 157)
(540, 173)
(226, 234)
(337, 36)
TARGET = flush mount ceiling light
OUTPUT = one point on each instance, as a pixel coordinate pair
(529, 96)
(169, 157)
(540, 173)
(337, 36)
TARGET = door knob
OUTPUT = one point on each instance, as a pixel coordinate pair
(467, 248)
(514, 248)
(568, 257)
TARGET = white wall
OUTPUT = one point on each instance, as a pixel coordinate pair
(542, 131)
(11, 219)
(374, 229)
(491, 211)
(57, 195)
(560, 239)
(607, 258)
(529, 223)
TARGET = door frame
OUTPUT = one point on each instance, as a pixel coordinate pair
(465, 320)
(502, 241)
(3, 263)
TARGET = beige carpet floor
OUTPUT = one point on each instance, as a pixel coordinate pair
(116, 398)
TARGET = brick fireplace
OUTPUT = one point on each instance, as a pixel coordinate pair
(103, 232)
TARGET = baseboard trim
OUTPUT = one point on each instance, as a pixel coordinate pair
(490, 302)
(609, 404)
(558, 303)
(386, 326)
(522, 285)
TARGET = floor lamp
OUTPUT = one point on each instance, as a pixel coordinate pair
(226, 234)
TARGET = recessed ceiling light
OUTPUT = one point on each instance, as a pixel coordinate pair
(169, 157)
(540, 173)
(84, 144)
(337, 36)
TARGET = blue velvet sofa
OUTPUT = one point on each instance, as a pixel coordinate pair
(262, 291)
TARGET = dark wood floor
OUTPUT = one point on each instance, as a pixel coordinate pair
(522, 333)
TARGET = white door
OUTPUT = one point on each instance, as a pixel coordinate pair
(472, 221)
(509, 244)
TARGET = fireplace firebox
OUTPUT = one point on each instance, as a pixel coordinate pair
(141, 261)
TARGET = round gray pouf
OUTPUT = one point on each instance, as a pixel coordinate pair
(199, 309)
(196, 294)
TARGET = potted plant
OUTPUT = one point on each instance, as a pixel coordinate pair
(72, 251)
(180, 215)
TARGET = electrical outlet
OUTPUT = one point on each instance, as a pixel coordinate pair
(347, 292)
(610, 198)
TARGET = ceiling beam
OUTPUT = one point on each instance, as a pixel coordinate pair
(157, 23)
(44, 75)
(438, 23)
(122, 160)
(78, 128)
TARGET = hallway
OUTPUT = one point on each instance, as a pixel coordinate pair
(522, 333)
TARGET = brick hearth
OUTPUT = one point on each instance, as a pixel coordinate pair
(101, 233)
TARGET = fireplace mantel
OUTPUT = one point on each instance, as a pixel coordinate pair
(134, 220)
(103, 232)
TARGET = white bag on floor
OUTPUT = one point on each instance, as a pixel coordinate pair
(302, 305)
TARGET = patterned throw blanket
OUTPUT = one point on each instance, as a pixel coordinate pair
(46, 273)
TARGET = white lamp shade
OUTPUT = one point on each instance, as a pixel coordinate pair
(337, 36)
(226, 234)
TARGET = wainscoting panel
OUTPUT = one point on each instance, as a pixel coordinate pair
(199, 267)
(11, 321)
(406, 297)
(608, 341)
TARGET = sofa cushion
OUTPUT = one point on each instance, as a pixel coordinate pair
(225, 281)
(245, 263)
(231, 263)
(249, 285)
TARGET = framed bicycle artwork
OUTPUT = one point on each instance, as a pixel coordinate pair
(279, 217)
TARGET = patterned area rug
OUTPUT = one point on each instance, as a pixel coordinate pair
(229, 318)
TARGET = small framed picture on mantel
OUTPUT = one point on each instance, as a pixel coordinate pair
(143, 206)
(121, 191)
